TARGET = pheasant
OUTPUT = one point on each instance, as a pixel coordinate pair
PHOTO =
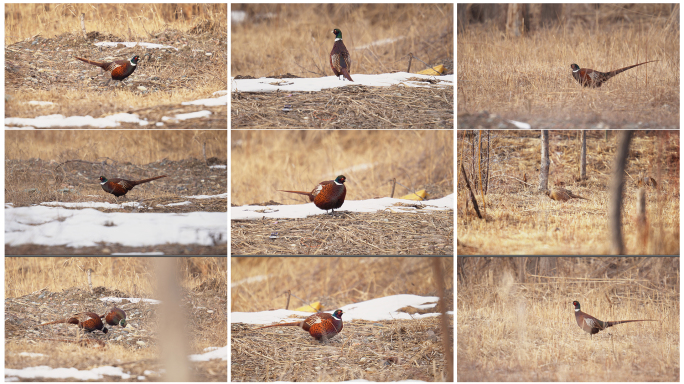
(119, 70)
(562, 194)
(89, 321)
(119, 187)
(592, 325)
(327, 194)
(590, 78)
(340, 62)
(115, 316)
(321, 326)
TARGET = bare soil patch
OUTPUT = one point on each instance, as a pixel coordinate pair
(44, 69)
(134, 348)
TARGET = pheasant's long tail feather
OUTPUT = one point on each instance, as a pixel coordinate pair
(98, 63)
(55, 322)
(611, 323)
(298, 192)
(346, 74)
(295, 324)
(148, 180)
(615, 72)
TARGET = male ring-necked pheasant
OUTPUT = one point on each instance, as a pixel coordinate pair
(119, 187)
(592, 325)
(590, 78)
(340, 61)
(119, 70)
(115, 316)
(89, 321)
(327, 194)
(321, 326)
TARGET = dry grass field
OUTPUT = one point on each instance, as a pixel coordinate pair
(43, 39)
(265, 161)
(529, 79)
(521, 220)
(296, 38)
(516, 321)
(286, 40)
(361, 350)
(39, 290)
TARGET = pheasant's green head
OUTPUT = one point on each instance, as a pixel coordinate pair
(337, 33)
(338, 314)
(340, 180)
(123, 323)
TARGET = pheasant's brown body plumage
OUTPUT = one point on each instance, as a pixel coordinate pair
(115, 316)
(321, 326)
(562, 194)
(119, 69)
(592, 325)
(119, 187)
(340, 61)
(590, 78)
(327, 194)
(89, 321)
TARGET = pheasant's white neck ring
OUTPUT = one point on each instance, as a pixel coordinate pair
(103, 182)
(577, 309)
(576, 70)
(338, 39)
(337, 182)
(335, 317)
(132, 63)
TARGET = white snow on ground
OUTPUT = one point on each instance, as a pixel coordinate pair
(72, 374)
(45, 372)
(41, 103)
(129, 299)
(42, 225)
(383, 308)
(215, 102)
(112, 121)
(298, 211)
(74, 121)
(133, 44)
(265, 84)
(186, 116)
(134, 204)
(214, 353)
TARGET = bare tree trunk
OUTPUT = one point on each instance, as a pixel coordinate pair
(615, 193)
(583, 157)
(514, 19)
(544, 172)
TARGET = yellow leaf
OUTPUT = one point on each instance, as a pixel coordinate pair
(422, 195)
(438, 70)
(308, 308)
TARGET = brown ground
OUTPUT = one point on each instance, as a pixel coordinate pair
(380, 233)
(37, 181)
(44, 69)
(134, 348)
(368, 350)
(350, 107)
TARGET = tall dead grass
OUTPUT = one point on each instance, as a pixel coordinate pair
(516, 321)
(530, 76)
(24, 275)
(296, 38)
(260, 283)
(138, 147)
(265, 161)
(132, 21)
(521, 220)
